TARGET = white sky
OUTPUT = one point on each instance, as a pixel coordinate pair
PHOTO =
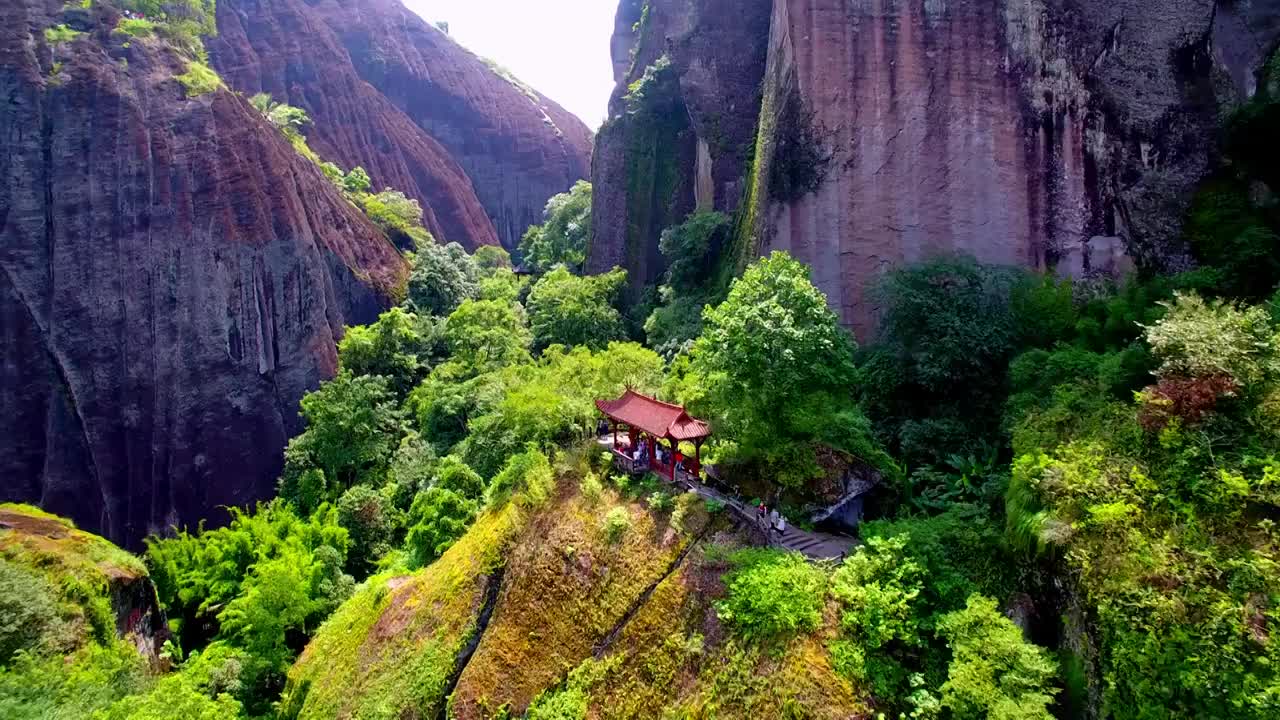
(559, 47)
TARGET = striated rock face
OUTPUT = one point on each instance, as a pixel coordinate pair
(1042, 133)
(689, 148)
(422, 114)
(173, 278)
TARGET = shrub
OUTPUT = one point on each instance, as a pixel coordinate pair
(437, 519)
(685, 505)
(772, 595)
(591, 488)
(616, 523)
(994, 673)
(357, 181)
(199, 79)
(135, 27)
(526, 477)
(29, 614)
(399, 216)
(1199, 338)
(59, 34)
(660, 501)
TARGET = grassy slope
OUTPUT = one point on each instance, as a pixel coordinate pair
(675, 659)
(566, 588)
(389, 650)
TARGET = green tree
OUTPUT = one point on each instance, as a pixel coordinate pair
(484, 335)
(456, 476)
(269, 578)
(994, 674)
(353, 428)
(437, 519)
(369, 519)
(442, 278)
(445, 406)
(491, 258)
(412, 470)
(570, 310)
(777, 372)
(878, 587)
(274, 600)
(688, 248)
(400, 346)
(562, 237)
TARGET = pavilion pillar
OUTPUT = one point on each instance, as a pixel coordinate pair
(672, 443)
(614, 425)
(697, 457)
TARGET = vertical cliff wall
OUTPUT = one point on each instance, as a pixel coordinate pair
(173, 278)
(686, 145)
(1054, 134)
(481, 151)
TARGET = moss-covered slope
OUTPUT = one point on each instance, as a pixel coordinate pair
(390, 650)
(73, 587)
(617, 620)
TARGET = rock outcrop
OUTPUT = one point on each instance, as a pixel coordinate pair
(480, 150)
(77, 570)
(532, 602)
(173, 278)
(1040, 133)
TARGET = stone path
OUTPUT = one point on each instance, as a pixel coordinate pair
(813, 545)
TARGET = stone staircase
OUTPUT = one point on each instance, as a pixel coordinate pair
(814, 545)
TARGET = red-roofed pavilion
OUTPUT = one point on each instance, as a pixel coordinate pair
(660, 421)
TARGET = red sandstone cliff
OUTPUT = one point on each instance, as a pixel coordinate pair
(392, 93)
(173, 278)
(1032, 132)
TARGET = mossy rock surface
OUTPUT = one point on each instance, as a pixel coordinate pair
(568, 588)
(97, 591)
(390, 650)
(627, 625)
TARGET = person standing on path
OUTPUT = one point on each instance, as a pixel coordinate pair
(773, 520)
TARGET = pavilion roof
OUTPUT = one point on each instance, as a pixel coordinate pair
(660, 419)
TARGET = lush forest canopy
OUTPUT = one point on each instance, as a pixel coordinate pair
(1104, 452)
